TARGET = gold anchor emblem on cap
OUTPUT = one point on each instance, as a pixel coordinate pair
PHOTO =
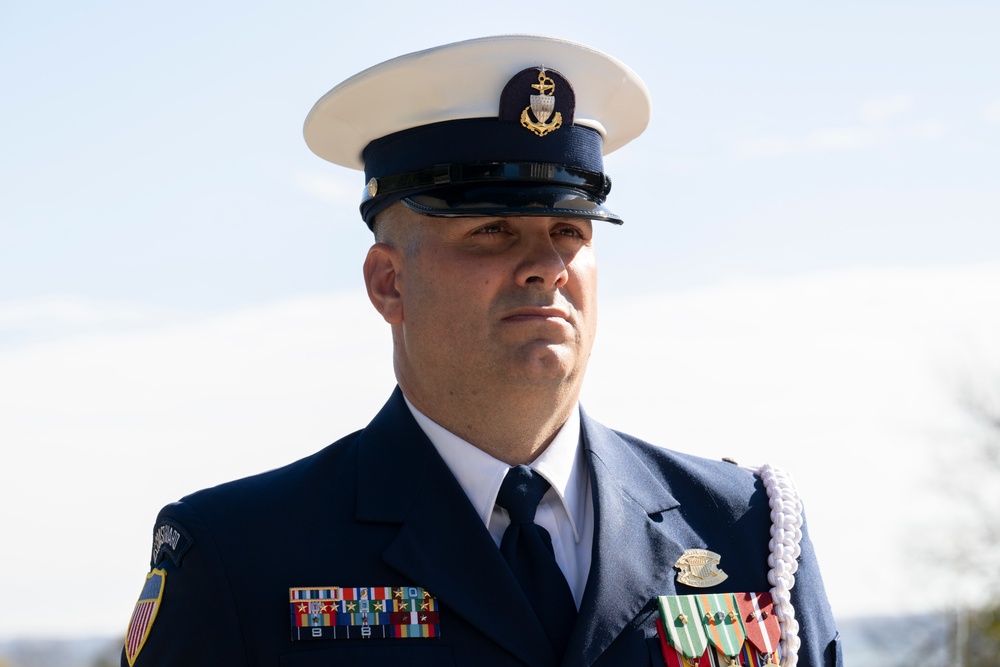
(541, 107)
(700, 568)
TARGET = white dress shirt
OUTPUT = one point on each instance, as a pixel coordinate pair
(566, 510)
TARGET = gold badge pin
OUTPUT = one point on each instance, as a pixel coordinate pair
(699, 568)
(542, 107)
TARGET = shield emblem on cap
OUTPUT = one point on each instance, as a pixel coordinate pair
(542, 106)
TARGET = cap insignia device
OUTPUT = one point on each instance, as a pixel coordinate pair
(542, 106)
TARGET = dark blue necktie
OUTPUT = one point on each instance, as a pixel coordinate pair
(527, 547)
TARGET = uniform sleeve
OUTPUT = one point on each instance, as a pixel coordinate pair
(185, 615)
(820, 645)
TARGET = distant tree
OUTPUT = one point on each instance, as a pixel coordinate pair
(961, 547)
(978, 632)
(982, 495)
(979, 553)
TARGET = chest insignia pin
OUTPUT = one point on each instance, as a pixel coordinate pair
(699, 568)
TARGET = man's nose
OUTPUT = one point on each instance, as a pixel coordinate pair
(543, 264)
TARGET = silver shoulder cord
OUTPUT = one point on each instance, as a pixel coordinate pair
(786, 534)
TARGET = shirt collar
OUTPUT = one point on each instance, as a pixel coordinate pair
(480, 475)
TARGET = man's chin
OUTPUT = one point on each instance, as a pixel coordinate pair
(546, 363)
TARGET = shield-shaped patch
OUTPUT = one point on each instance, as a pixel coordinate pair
(144, 614)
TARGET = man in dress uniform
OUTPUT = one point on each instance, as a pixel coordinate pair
(482, 518)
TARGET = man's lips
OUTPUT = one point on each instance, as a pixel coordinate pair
(536, 313)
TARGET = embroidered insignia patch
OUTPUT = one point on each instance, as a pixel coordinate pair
(349, 613)
(144, 614)
(170, 540)
(699, 568)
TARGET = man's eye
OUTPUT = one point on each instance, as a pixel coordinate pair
(569, 231)
(489, 229)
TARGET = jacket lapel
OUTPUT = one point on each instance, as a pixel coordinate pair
(442, 543)
(635, 542)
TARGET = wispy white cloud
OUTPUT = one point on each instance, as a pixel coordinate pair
(881, 109)
(992, 113)
(328, 187)
(876, 129)
(71, 311)
(821, 140)
(61, 316)
(924, 129)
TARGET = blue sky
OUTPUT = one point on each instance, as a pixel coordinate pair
(811, 250)
(156, 156)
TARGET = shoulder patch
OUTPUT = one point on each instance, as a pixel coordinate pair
(144, 614)
(170, 540)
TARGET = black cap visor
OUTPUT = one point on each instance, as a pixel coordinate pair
(509, 199)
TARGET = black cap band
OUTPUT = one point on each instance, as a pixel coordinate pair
(597, 185)
(442, 154)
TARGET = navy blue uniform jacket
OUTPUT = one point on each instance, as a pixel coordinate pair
(380, 508)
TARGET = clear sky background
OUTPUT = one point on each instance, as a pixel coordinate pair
(809, 273)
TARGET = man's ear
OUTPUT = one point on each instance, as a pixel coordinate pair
(383, 271)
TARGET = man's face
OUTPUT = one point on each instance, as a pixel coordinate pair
(495, 304)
